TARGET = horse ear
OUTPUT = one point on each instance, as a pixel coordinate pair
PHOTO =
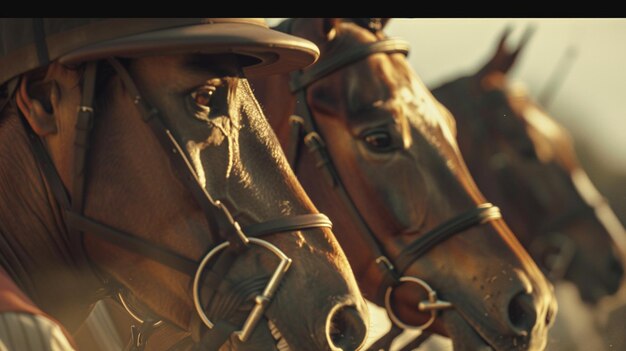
(35, 102)
(496, 60)
(504, 36)
(512, 57)
(383, 22)
(503, 59)
(318, 30)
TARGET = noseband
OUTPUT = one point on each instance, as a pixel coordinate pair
(304, 130)
(218, 216)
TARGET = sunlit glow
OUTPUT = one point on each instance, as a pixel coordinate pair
(604, 212)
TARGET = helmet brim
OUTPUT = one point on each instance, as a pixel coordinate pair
(275, 52)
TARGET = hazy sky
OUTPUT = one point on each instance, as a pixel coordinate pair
(592, 100)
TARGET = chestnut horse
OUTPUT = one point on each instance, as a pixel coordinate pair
(151, 201)
(376, 152)
(530, 168)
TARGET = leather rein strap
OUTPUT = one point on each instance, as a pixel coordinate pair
(217, 213)
(304, 129)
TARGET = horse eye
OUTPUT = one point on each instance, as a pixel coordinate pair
(202, 96)
(379, 140)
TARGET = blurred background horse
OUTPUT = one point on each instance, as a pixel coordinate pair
(579, 319)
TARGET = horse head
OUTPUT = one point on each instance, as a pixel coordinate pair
(525, 161)
(378, 154)
(139, 160)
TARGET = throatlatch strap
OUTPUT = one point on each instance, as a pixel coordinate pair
(132, 243)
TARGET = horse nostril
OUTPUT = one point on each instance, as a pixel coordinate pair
(550, 316)
(522, 314)
(345, 328)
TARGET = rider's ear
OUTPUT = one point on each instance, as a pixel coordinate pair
(38, 100)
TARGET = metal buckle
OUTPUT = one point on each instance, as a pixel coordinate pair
(261, 301)
(432, 305)
(295, 119)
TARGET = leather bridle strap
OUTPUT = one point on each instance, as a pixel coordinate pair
(179, 262)
(132, 243)
(286, 224)
(342, 59)
(476, 216)
(84, 124)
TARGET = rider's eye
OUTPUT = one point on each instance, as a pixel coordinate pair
(202, 96)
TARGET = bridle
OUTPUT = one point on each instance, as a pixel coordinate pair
(236, 239)
(555, 250)
(304, 130)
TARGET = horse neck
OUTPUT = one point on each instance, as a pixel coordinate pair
(34, 242)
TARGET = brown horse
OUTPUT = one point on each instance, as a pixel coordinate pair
(178, 190)
(529, 167)
(383, 162)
